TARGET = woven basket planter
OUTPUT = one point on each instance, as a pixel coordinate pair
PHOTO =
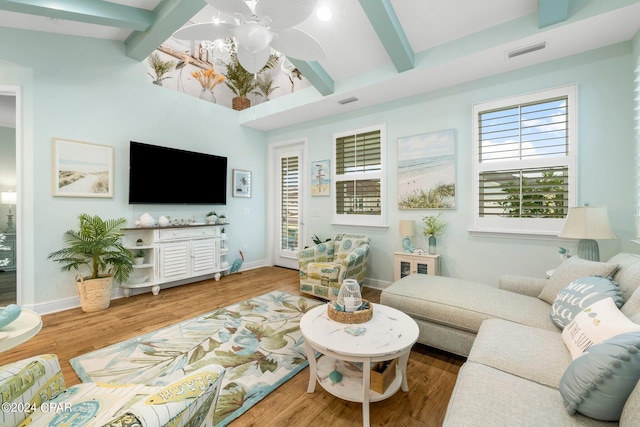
(95, 294)
(240, 103)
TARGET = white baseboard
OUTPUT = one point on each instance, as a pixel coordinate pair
(69, 303)
(376, 284)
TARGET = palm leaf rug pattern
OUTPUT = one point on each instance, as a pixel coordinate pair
(258, 341)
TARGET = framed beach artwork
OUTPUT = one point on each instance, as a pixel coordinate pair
(82, 169)
(321, 178)
(241, 183)
(427, 171)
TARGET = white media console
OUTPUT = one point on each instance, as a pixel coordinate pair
(175, 254)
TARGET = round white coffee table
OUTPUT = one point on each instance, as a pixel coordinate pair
(389, 334)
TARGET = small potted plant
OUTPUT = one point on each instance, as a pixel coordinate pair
(160, 68)
(138, 258)
(222, 219)
(433, 226)
(223, 233)
(212, 217)
(96, 248)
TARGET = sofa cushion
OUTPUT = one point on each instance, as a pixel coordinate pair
(628, 273)
(580, 294)
(484, 396)
(596, 323)
(531, 353)
(570, 270)
(631, 307)
(462, 304)
(598, 383)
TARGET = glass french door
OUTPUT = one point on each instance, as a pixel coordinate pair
(288, 210)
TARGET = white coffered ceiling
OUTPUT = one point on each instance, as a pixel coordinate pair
(445, 42)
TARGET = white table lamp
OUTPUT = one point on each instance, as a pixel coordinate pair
(407, 229)
(587, 223)
(9, 198)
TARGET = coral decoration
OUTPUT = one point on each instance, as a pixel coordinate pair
(208, 78)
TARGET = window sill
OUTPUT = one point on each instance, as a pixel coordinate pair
(344, 224)
(542, 235)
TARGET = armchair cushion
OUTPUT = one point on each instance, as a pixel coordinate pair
(189, 401)
(29, 383)
(323, 267)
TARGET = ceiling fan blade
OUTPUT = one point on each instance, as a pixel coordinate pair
(232, 7)
(253, 62)
(284, 13)
(205, 31)
(297, 44)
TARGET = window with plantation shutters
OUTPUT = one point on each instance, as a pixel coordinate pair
(525, 162)
(358, 176)
(289, 185)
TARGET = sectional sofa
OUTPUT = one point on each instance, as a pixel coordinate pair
(562, 351)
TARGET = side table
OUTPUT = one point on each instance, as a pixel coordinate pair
(20, 330)
(389, 335)
(405, 264)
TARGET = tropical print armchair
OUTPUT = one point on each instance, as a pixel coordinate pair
(323, 267)
(36, 389)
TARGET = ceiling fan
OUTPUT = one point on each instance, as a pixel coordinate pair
(258, 27)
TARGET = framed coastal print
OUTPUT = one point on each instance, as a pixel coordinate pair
(241, 183)
(321, 178)
(82, 169)
(427, 171)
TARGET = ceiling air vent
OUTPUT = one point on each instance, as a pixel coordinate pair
(347, 100)
(525, 50)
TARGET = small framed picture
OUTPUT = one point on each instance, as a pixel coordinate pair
(241, 183)
(82, 169)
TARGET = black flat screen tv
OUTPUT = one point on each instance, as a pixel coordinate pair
(162, 175)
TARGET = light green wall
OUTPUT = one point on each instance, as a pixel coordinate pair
(606, 172)
(88, 90)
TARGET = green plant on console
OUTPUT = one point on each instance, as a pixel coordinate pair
(96, 245)
(433, 225)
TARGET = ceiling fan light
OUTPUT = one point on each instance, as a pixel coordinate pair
(252, 36)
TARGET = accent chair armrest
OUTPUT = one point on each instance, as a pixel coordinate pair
(531, 286)
(322, 252)
(354, 265)
(29, 381)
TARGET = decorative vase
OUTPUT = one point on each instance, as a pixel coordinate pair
(349, 296)
(240, 103)
(433, 245)
(207, 95)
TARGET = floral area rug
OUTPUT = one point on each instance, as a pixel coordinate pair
(258, 341)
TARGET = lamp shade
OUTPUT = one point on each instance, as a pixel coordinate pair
(8, 197)
(407, 227)
(587, 222)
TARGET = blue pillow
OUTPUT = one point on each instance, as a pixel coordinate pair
(580, 294)
(598, 383)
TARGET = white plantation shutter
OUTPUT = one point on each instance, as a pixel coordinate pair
(289, 189)
(358, 176)
(525, 162)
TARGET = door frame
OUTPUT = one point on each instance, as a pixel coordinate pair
(273, 223)
(16, 92)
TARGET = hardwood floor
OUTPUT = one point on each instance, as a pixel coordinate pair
(431, 374)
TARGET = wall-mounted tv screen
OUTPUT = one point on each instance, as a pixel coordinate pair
(162, 175)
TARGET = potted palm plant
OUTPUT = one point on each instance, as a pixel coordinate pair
(241, 83)
(95, 247)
